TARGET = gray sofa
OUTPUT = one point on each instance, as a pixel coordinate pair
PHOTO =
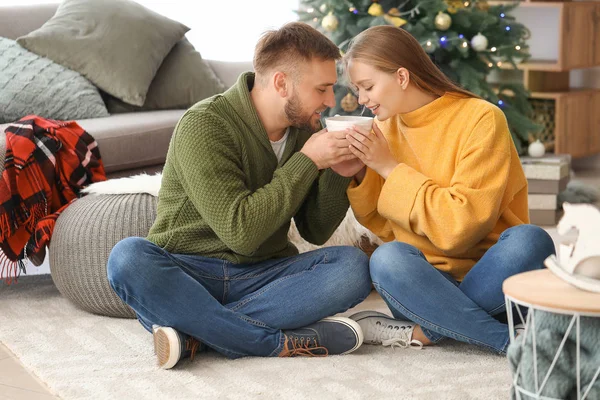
(129, 143)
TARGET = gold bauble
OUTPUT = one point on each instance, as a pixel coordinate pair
(455, 5)
(330, 22)
(376, 10)
(482, 5)
(392, 18)
(442, 21)
(349, 103)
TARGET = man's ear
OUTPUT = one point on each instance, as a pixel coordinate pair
(280, 83)
(403, 77)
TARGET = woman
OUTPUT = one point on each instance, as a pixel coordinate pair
(443, 186)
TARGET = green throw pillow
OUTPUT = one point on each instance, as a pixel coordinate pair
(182, 80)
(30, 84)
(117, 44)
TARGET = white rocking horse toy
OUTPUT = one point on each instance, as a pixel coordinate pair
(579, 263)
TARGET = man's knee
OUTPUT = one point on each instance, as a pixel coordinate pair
(354, 265)
(125, 258)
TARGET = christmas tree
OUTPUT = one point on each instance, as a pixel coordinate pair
(466, 39)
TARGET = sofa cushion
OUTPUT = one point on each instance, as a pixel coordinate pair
(117, 44)
(182, 80)
(30, 84)
(133, 140)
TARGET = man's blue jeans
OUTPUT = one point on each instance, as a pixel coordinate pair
(238, 310)
(415, 290)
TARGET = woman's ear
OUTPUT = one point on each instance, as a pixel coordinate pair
(403, 77)
(280, 83)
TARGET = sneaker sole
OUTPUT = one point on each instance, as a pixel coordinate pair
(166, 339)
(352, 325)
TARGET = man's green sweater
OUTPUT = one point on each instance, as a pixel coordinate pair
(224, 195)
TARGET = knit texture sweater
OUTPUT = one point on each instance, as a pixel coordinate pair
(224, 194)
(458, 185)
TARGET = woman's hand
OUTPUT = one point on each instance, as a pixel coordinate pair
(372, 149)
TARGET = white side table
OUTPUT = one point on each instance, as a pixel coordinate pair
(542, 290)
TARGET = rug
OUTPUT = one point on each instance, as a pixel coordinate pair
(84, 356)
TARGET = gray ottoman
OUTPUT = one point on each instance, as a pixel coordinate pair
(83, 237)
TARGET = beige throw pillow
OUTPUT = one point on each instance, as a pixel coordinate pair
(117, 44)
(182, 80)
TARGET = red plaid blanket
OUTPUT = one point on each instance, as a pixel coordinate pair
(47, 163)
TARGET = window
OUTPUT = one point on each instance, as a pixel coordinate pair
(220, 29)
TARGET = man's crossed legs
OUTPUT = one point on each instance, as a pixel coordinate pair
(272, 308)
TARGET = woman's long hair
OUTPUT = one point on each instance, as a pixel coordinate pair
(388, 48)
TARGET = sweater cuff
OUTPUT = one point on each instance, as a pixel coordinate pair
(335, 182)
(363, 197)
(300, 165)
(399, 193)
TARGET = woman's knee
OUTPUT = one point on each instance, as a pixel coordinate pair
(533, 242)
(393, 260)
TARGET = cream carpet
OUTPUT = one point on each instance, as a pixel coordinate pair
(84, 356)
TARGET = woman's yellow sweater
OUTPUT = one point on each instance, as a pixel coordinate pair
(458, 185)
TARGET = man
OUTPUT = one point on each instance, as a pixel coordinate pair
(217, 268)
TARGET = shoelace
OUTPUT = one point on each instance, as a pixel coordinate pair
(396, 336)
(192, 345)
(302, 347)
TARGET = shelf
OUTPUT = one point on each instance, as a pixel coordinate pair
(575, 120)
(569, 38)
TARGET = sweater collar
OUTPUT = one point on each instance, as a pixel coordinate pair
(239, 98)
(429, 112)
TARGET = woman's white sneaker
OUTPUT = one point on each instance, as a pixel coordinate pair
(379, 328)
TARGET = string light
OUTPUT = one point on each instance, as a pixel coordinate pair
(464, 44)
(310, 10)
(507, 28)
(353, 10)
(428, 43)
(502, 15)
(493, 49)
(500, 103)
(466, 4)
(499, 63)
(443, 39)
(517, 47)
(461, 36)
(490, 65)
(315, 19)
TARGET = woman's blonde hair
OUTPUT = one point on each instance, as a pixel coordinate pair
(389, 48)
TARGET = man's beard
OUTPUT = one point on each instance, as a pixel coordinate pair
(294, 114)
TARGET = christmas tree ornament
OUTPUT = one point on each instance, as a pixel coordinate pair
(455, 5)
(479, 42)
(330, 22)
(349, 103)
(392, 18)
(482, 5)
(323, 8)
(429, 47)
(536, 149)
(376, 10)
(442, 21)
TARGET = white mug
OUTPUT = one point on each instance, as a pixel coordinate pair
(339, 122)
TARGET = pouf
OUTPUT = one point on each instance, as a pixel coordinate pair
(83, 237)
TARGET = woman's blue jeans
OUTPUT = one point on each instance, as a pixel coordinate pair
(415, 290)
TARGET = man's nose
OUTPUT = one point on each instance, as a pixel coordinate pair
(330, 100)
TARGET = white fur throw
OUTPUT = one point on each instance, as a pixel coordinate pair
(349, 233)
